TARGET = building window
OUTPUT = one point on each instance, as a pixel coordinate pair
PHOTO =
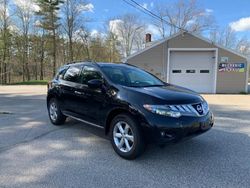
(176, 71)
(190, 71)
(204, 71)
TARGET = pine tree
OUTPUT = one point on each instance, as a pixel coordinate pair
(50, 22)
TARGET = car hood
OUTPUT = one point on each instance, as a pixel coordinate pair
(170, 94)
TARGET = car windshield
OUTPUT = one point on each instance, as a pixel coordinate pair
(130, 76)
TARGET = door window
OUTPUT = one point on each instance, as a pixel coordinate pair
(73, 74)
(61, 72)
(90, 73)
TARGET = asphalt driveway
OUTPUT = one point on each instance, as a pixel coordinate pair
(33, 153)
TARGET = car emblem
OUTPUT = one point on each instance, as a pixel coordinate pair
(199, 108)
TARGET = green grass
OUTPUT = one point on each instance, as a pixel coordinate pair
(31, 82)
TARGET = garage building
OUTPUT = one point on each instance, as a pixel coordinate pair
(194, 62)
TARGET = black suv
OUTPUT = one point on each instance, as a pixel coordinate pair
(132, 106)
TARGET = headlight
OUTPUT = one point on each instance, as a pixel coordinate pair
(205, 106)
(195, 110)
(162, 110)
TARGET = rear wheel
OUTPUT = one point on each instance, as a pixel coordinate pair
(126, 137)
(55, 114)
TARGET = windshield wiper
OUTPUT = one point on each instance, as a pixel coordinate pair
(155, 85)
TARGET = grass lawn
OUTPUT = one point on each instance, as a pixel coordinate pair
(31, 82)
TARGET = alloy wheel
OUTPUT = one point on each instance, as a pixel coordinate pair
(123, 136)
(53, 111)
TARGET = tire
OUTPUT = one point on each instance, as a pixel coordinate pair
(55, 114)
(131, 136)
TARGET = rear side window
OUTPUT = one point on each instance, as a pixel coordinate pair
(73, 74)
(90, 73)
(61, 72)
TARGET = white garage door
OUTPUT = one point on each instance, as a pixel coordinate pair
(193, 70)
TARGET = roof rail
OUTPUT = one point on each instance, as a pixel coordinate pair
(81, 61)
(73, 62)
(130, 65)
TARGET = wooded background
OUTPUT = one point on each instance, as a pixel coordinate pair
(38, 36)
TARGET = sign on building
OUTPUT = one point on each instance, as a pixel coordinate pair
(231, 67)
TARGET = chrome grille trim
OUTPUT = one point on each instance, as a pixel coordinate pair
(186, 108)
(189, 109)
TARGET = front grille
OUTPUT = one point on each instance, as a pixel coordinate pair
(198, 109)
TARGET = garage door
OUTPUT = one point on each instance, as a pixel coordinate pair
(193, 70)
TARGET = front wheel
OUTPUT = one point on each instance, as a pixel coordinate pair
(55, 114)
(126, 137)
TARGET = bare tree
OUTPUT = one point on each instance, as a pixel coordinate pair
(112, 43)
(243, 46)
(83, 37)
(161, 24)
(186, 15)
(228, 38)
(73, 20)
(25, 11)
(225, 37)
(128, 28)
(5, 36)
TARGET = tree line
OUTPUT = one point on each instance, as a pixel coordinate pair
(38, 36)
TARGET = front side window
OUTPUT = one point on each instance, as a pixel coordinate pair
(73, 74)
(90, 73)
(61, 71)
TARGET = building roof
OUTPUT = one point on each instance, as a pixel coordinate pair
(159, 42)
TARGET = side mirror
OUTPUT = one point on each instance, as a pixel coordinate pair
(95, 83)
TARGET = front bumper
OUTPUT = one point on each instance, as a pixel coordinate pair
(166, 129)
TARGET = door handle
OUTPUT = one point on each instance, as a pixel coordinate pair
(79, 93)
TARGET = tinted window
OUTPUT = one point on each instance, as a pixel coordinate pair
(73, 74)
(90, 73)
(61, 72)
(130, 76)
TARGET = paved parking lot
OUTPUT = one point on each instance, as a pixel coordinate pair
(33, 153)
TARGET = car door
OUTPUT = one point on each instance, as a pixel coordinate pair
(69, 83)
(90, 101)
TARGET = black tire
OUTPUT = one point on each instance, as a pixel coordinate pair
(138, 145)
(59, 119)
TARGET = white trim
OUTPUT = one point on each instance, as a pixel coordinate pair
(247, 75)
(168, 65)
(195, 49)
(181, 33)
(163, 63)
(216, 69)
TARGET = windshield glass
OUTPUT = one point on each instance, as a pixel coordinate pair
(130, 76)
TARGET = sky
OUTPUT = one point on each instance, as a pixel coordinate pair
(232, 13)
(226, 12)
